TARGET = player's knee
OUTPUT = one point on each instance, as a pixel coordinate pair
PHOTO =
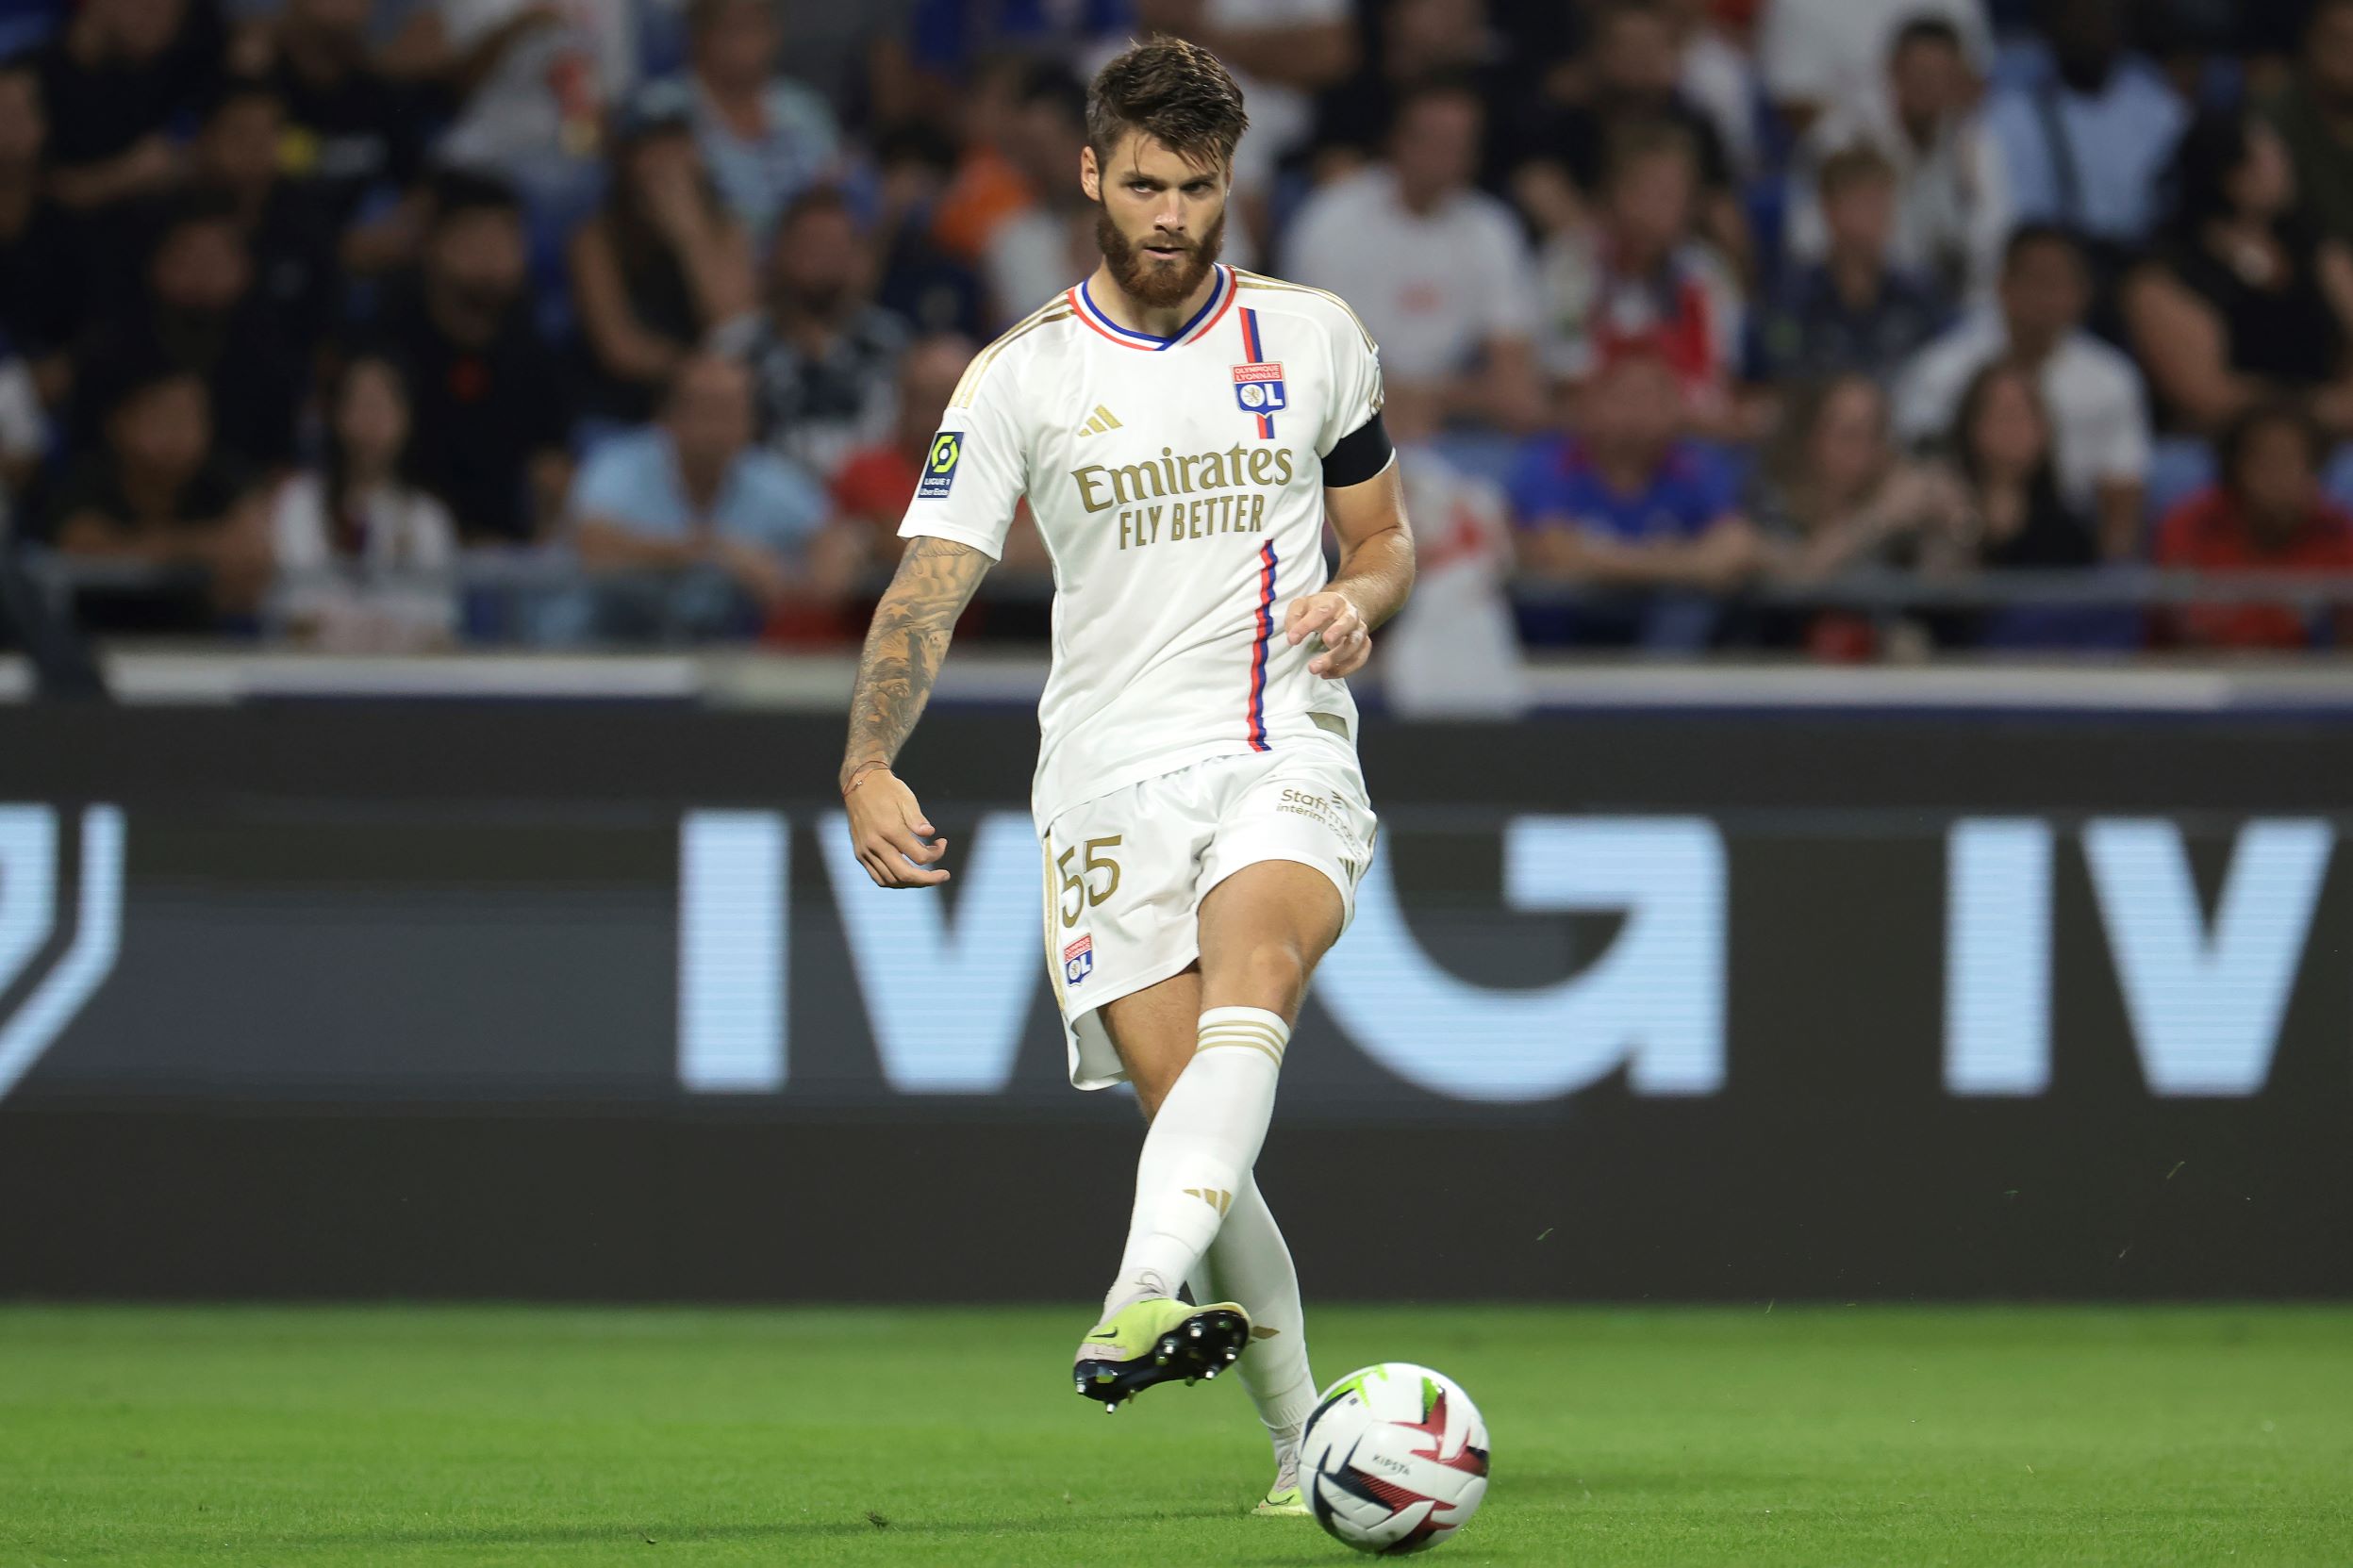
(1271, 973)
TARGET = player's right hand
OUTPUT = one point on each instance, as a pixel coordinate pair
(895, 841)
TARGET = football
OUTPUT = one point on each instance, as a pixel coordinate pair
(1395, 1458)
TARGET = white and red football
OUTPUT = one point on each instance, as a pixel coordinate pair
(1395, 1458)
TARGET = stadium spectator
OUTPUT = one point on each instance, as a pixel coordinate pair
(1952, 188)
(1438, 271)
(1719, 78)
(1815, 55)
(2002, 457)
(1638, 282)
(828, 354)
(1453, 652)
(873, 485)
(364, 556)
(985, 187)
(24, 432)
(535, 80)
(1628, 506)
(765, 137)
(1633, 75)
(288, 231)
(1833, 493)
(1853, 310)
(196, 306)
(1050, 244)
(487, 398)
(1414, 41)
(2098, 411)
(726, 527)
(920, 282)
(2315, 113)
(352, 133)
(2267, 514)
(44, 287)
(155, 491)
(664, 266)
(115, 81)
(2241, 300)
(2086, 135)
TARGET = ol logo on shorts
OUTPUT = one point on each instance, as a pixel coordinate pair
(1078, 959)
(939, 468)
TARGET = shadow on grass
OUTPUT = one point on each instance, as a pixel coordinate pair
(781, 1530)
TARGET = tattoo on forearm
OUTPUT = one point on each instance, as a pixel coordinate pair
(905, 646)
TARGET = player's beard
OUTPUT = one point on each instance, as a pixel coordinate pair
(1152, 284)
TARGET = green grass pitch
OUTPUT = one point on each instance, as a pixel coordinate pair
(1820, 1437)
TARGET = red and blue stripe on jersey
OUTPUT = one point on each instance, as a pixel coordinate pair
(1257, 356)
(1258, 648)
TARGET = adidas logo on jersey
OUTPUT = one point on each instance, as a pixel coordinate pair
(1104, 420)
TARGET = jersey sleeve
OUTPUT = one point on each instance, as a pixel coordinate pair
(975, 471)
(1355, 385)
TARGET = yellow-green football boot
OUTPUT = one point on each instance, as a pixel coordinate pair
(1288, 1503)
(1153, 1341)
(1284, 1499)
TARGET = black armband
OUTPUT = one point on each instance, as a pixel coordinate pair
(1359, 456)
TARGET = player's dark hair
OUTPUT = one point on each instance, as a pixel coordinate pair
(1173, 92)
(1936, 30)
(2259, 417)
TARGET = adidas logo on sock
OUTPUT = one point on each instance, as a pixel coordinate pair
(1219, 1200)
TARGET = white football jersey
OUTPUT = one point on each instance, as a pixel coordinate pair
(1178, 483)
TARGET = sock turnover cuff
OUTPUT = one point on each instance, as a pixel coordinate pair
(1247, 1028)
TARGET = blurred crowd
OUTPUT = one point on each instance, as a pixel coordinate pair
(641, 312)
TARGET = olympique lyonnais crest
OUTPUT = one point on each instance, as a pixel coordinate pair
(1259, 382)
(1259, 388)
(1078, 959)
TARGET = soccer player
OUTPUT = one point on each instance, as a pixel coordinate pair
(1181, 430)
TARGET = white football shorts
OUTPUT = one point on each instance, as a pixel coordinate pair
(1126, 872)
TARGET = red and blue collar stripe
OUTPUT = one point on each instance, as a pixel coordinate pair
(1213, 310)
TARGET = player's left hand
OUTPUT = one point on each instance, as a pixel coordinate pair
(1331, 620)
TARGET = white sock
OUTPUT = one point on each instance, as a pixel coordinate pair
(1200, 1151)
(1248, 1264)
